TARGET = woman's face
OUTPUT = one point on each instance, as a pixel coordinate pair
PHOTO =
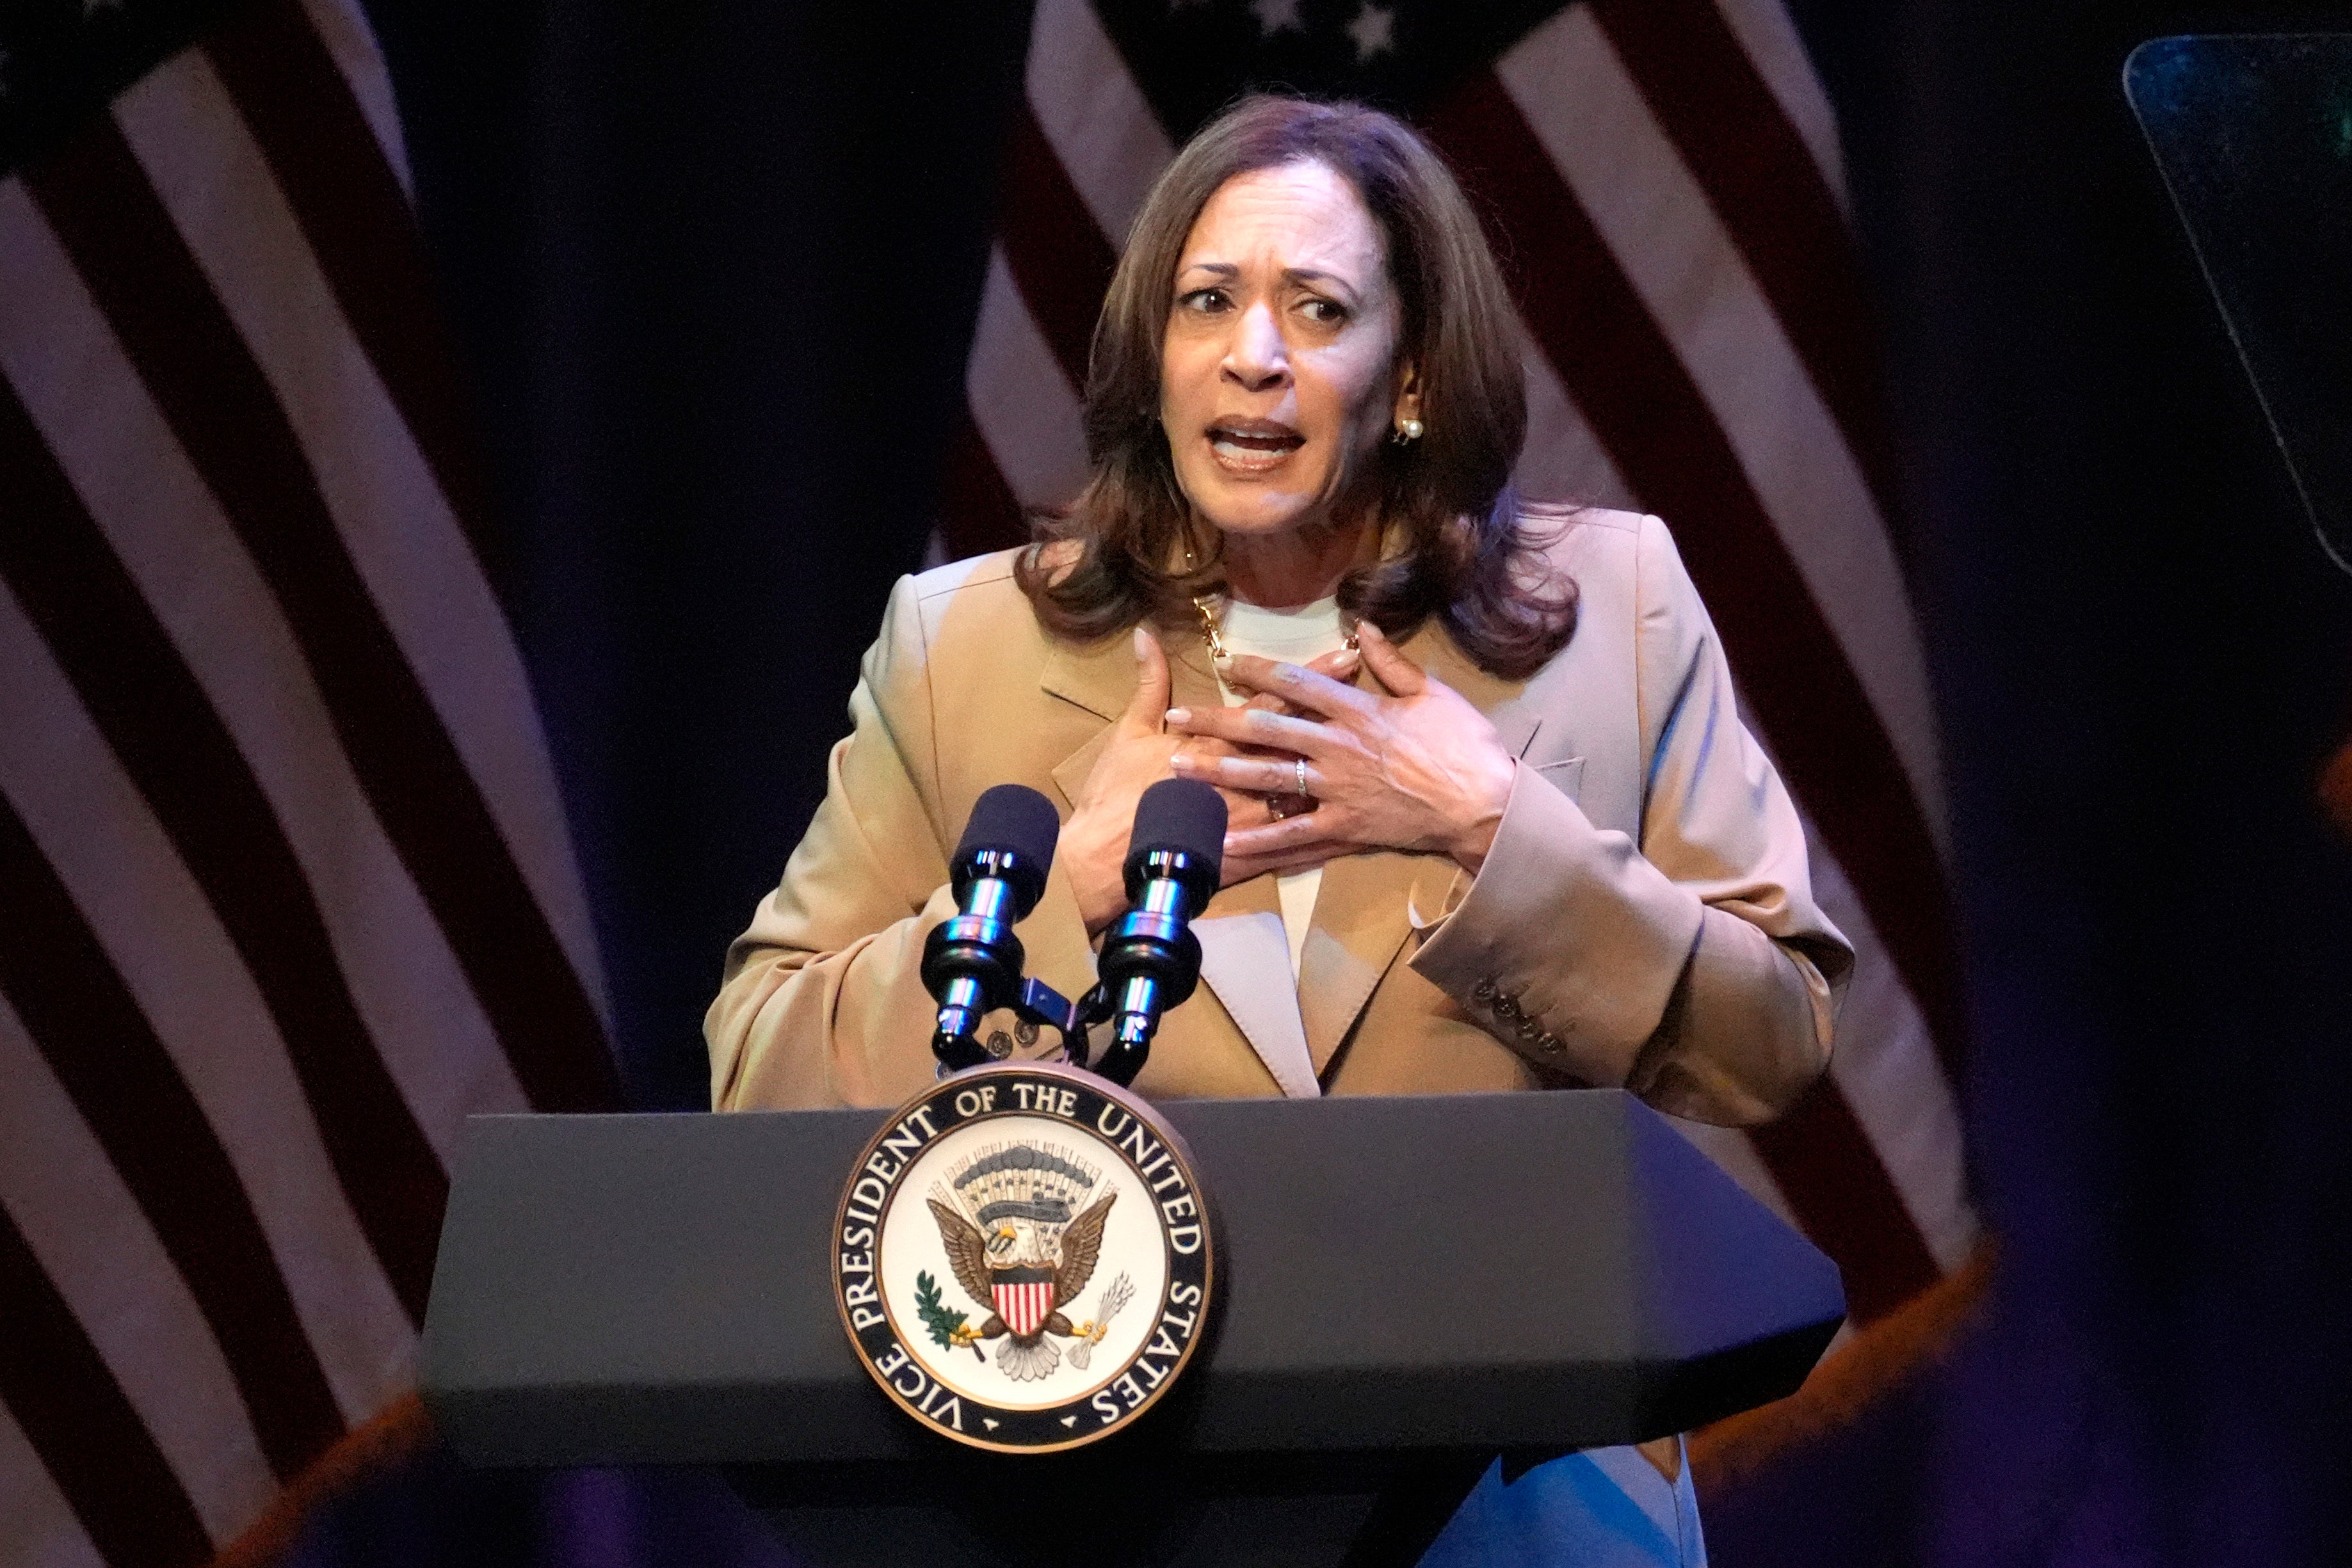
(1279, 376)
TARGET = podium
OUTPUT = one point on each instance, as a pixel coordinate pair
(1410, 1288)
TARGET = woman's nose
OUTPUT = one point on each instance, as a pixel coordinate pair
(1257, 357)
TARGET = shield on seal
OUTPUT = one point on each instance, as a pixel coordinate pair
(1023, 1297)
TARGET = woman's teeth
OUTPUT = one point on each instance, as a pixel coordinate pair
(1237, 450)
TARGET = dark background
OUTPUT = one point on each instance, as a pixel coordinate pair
(713, 264)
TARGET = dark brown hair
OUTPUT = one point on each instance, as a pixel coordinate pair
(1461, 546)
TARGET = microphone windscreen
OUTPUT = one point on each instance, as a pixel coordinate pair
(1181, 814)
(1012, 817)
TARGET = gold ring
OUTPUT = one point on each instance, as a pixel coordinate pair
(1274, 808)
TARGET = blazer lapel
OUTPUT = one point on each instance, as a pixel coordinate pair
(1359, 924)
(1363, 911)
(1245, 961)
(1100, 678)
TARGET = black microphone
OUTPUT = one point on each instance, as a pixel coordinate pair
(1151, 959)
(972, 963)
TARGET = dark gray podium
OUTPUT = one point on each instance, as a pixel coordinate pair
(1408, 1288)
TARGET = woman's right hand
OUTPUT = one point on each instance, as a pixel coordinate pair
(1092, 847)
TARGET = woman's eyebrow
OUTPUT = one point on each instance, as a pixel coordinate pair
(1316, 276)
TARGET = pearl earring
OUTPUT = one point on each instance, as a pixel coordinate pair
(1408, 429)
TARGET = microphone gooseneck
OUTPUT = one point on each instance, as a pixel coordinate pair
(972, 962)
(1150, 960)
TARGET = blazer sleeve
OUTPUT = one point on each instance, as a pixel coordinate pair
(822, 1002)
(1692, 966)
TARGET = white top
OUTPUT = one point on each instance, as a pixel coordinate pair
(1295, 635)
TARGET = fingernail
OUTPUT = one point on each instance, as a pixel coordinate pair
(1366, 629)
(1143, 642)
(1222, 662)
(1180, 763)
(1180, 715)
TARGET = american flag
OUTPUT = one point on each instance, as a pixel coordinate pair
(286, 891)
(1662, 179)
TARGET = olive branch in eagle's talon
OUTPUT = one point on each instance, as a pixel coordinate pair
(948, 1328)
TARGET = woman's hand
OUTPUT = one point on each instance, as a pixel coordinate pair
(1092, 846)
(1421, 771)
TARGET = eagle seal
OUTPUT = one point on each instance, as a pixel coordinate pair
(984, 1310)
(1018, 1248)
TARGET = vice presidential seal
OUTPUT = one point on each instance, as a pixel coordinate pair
(1024, 1258)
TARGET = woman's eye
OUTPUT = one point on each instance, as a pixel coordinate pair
(1325, 312)
(1204, 299)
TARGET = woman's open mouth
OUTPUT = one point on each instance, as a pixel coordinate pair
(1252, 446)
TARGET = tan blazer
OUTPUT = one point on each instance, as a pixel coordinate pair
(1644, 919)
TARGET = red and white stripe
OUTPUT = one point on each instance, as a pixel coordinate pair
(1025, 1306)
(289, 888)
(1668, 177)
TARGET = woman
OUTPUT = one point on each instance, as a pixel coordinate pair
(1495, 821)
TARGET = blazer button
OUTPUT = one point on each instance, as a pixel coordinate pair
(1550, 1045)
(1527, 1029)
(1506, 1007)
(1483, 991)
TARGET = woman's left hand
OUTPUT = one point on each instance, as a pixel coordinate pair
(1421, 771)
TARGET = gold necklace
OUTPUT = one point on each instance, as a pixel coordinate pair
(1206, 604)
(1209, 606)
